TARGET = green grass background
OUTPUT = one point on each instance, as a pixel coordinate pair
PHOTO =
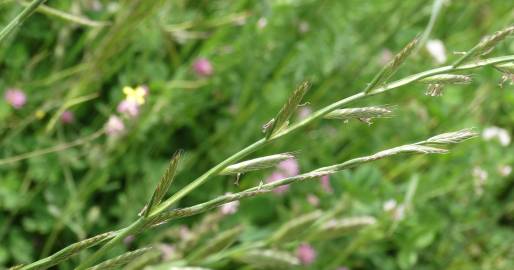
(53, 200)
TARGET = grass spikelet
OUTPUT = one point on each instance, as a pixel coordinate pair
(364, 114)
(149, 258)
(488, 43)
(164, 183)
(390, 68)
(447, 79)
(121, 260)
(187, 268)
(220, 242)
(287, 110)
(71, 250)
(409, 148)
(452, 137)
(18, 20)
(256, 164)
(294, 228)
(485, 46)
(339, 227)
(268, 259)
(506, 68)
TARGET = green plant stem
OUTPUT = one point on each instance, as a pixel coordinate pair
(260, 143)
(18, 20)
(131, 229)
(319, 114)
(53, 149)
(67, 16)
(436, 10)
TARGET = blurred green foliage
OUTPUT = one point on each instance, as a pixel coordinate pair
(260, 51)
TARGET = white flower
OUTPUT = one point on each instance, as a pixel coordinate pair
(262, 22)
(498, 133)
(436, 49)
(389, 205)
(480, 174)
(479, 179)
(505, 170)
(399, 212)
(304, 27)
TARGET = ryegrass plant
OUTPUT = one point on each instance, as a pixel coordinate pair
(158, 212)
(259, 252)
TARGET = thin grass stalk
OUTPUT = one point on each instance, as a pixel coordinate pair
(486, 44)
(131, 229)
(18, 20)
(436, 10)
(120, 260)
(53, 149)
(265, 188)
(390, 68)
(67, 16)
(68, 252)
(317, 115)
(158, 211)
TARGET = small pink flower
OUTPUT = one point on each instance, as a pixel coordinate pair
(114, 126)
(128, 240)
(203, 67)
(184, 233)
(130, 108)
(325, 184)
(385, 57)
(262, 22)
(289, 167)
(167, 251)
(313, 200)
(230, 207)
(306, 254)
(15, 97)
(277, 176)
(67, 117)
(304, 112)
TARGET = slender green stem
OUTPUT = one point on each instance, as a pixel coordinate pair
(436, 10)
(18, 20)
(212, 172)
(56, 148)
(466, 56)
(131, 229)
(68, 17)
(159, 212)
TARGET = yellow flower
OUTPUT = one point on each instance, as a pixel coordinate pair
(137, 95)
(40, 114)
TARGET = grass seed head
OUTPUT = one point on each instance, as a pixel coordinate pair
(256, 164)
(452, 137)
